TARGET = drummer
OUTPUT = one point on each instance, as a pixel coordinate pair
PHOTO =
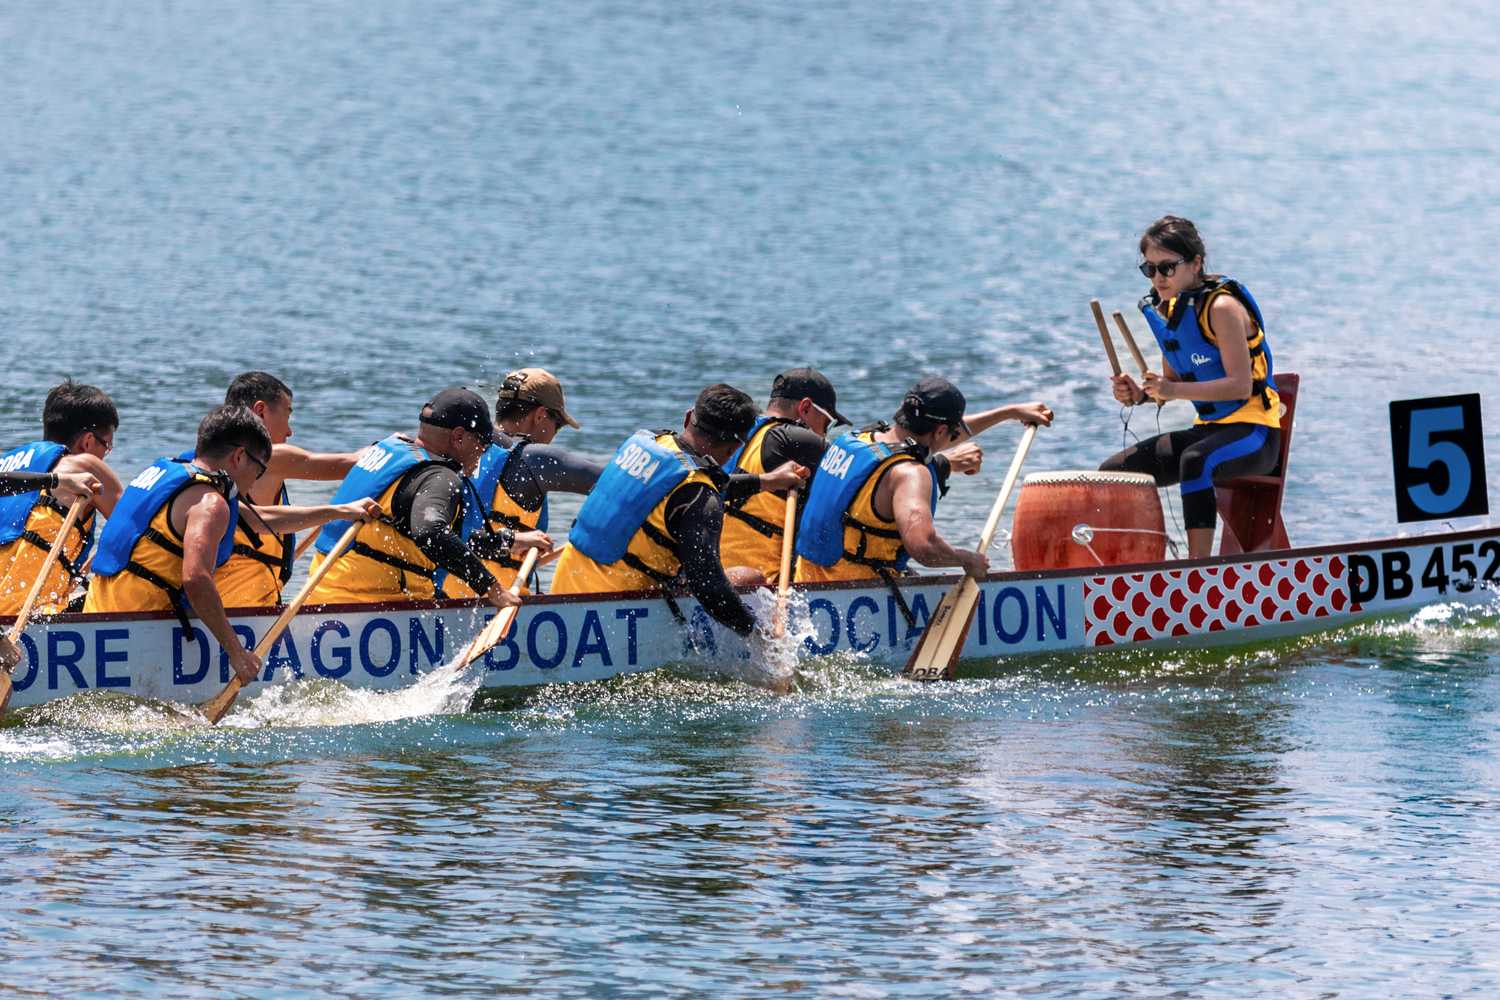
(1215, 355)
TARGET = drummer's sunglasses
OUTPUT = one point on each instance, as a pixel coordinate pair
(1165, 268)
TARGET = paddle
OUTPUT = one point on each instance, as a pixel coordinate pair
(215, 707)
(10, 644)
(943, 641)
(1109, 345)
(784, 582)
(499, 626)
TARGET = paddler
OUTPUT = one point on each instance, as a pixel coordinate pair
(419, 480)
(78, 431)
(793, 428)
(1214, 354)
(262, 560)
(175, 525)
(656, 512)
(522, 466)
(870, 507)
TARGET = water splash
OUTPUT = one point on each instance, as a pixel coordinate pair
(325, 702)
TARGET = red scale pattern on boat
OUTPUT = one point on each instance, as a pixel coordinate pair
(1174, 603)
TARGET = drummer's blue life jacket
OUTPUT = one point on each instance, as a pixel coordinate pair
(1184, 342)
(641, 475)
(379, 465)
(847, 465)
(283, 565)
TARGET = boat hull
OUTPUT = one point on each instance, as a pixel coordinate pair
(1225, 600)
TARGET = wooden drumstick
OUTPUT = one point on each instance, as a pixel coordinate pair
(1109, 345)
(1135, 351)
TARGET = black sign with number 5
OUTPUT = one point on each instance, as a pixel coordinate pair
(1437, 445)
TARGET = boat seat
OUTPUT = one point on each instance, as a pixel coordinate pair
(1250, 506)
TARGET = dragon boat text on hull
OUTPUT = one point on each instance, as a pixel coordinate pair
(1223, 600)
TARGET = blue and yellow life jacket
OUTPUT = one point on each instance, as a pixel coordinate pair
(275, 553)
(495, 509)
(16, 509)
(640, 476)
(1190, 347)
(839, 522)
(131, 543)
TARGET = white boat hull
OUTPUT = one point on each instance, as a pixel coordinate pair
(1227, 600)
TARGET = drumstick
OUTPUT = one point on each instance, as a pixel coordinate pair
(1135, 351)
(1109, 345)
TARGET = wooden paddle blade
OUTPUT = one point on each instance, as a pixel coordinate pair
(216, 707)
(942, 641)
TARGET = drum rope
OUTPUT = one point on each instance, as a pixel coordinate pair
(1083, 534)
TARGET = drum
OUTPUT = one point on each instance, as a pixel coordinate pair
(1081, 519)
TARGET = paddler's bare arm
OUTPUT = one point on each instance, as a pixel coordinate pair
(965, 456)
(1233, 328)
(201, 516)
(110, 486)
(291, 462)
(910, 486)
(284, 519)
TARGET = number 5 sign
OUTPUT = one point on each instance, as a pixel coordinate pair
(1437, 445)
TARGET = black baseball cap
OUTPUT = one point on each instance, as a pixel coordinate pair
(932, 401)
(456, 406)
(808, 383)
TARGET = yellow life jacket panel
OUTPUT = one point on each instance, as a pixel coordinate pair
(752, 533)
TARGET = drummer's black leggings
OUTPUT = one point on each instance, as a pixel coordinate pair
(1197, 458)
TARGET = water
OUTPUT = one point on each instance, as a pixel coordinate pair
(376, 200)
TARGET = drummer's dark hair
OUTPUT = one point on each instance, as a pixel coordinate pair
(229, 427)
(1177, 235)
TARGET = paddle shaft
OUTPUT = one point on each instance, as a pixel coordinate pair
(13, 637)
(987, 537)
(784, 582)
(1109, 344)
(1130, 344)
(47, 564)
(215, 708)
(499, 626)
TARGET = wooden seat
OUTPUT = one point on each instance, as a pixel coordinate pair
(1250, 506)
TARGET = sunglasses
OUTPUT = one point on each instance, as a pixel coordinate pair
(259, 464)
(829, 416)
(1165, 268)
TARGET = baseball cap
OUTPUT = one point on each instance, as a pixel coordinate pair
(808, 383)
(456, 406)
(539, 386)
(935, 400)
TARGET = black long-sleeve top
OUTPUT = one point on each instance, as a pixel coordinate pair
(12, 483)
(427, 508)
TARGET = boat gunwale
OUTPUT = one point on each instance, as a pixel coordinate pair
(943, 579)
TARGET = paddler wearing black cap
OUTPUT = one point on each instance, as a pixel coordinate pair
(522, 465)
(870, 506)
(793, 428)
(419, 481)
(657, 512)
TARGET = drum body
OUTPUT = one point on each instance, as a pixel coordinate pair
(1120, 513)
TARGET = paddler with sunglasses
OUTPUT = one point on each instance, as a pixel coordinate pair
(871, 504)
(522, 466)
(421, 481)
(657, 512)
(175, 524)
(1214, 354)
(793, 428)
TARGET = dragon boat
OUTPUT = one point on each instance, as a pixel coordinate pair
(1222, 600)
